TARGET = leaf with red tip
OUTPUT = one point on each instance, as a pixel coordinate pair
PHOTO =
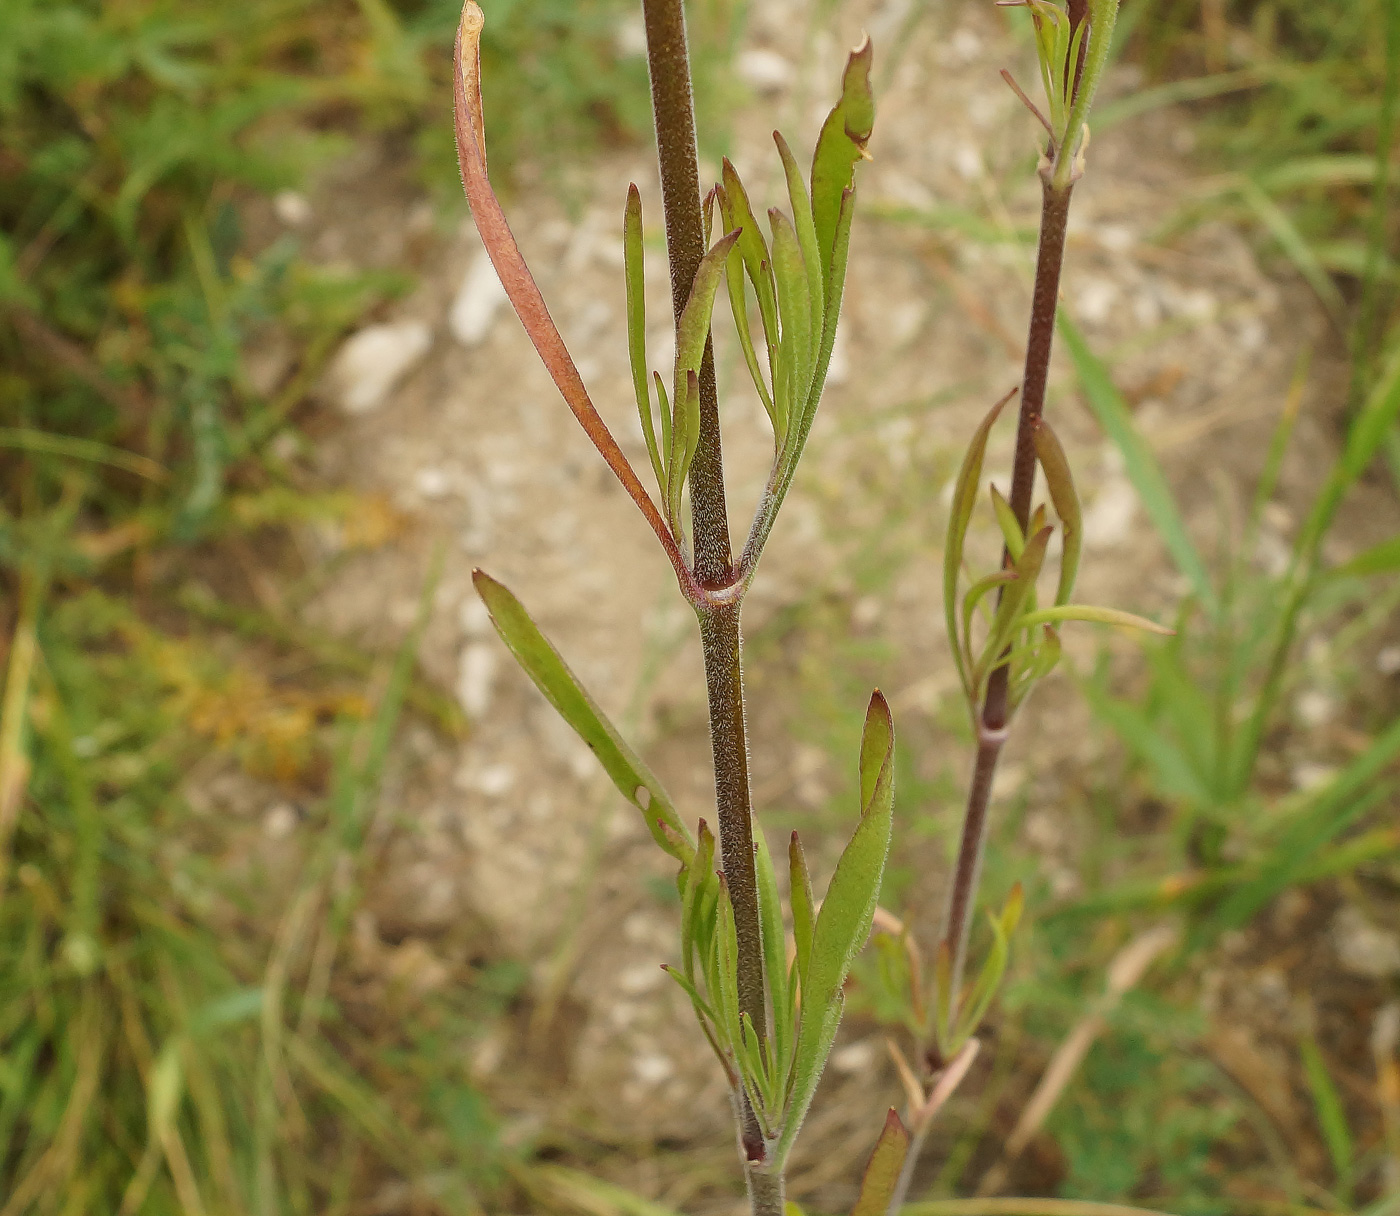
(840, 146)
(882, 1170)
(520, 287)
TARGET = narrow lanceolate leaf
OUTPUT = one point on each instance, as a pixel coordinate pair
(693, 328)
(770, 911)
(845, 918)
(959, 517)
(1383, 558)
(975, 595)
(1010, 617)
(1097, 616)
(637, 326)
(806, 233)
(739, 308)
(835, 288)
(882, 1171)
(794, 309)
(699, 875)
(1010, 529)
(800, 884)
(562, 689)
(685, 437)
(520, 285)
(839, 146)
(1066, 499)
(692, 333)
(753, 248)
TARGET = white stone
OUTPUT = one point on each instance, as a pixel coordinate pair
(1315, 707)
(858, 1057)
(1109, 520)
(373, 361)
(432, 482)
(477, 302)
(653, 1068)
(476, 672)
(474, 617)
(763, 70)
(1388, 661)
(279, 822)
(630, 37)
(1311, 775)
(1096, 299)
(1364, 948)
(967, 160)
(291, 208)
(966, 44)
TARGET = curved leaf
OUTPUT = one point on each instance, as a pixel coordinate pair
(1066, 499)
(637, 326)
(959, 517)
(882, 1170)
(561, 688)
(839, 146)
(1097, 616)
(845, 917)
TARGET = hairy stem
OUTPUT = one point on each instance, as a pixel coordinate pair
(765, 1193)
(1054, 218)
(674, 114)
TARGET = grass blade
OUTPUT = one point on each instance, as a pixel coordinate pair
(1142, 467)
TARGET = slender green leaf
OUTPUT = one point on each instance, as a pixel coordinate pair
(800, 883)
(794, 309)
(1334, 807)
(1331, 1116)
(1066, 499)
(775, 967)
(806, 234)
(974, 597)
(1383, 558)
(685, 437)
(637, 326)
(831, 312)
(699, 875)
(881, 1177)
(840, 146)
(959, 517)
(845, 918)
(739, 309)
(561, 688)
(753, 249)
(693, 328)
(1099, 616)
(1294, 246)
(1142, 468)
(1367, 432)
(1006, 520)
(1010, 616)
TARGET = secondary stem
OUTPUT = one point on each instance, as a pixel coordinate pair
(991, 733)
(674, 113)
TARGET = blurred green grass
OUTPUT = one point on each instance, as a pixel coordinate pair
(174, 1039)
